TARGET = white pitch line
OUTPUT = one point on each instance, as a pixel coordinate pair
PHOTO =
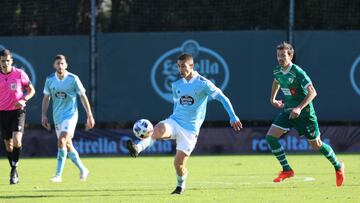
(294, 179)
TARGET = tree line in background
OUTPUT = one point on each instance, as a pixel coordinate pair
(71, 17)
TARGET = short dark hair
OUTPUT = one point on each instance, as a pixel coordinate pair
(286, 46)
(60, 56)
(5, 52)
(184, 56)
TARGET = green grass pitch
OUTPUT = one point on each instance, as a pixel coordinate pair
(240, 178)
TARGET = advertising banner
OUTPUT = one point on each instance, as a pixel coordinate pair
(215, 141)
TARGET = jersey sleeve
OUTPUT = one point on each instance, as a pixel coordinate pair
(46, 90)
(79, 88)
(25, 81)
(211, 89)
(304, 79)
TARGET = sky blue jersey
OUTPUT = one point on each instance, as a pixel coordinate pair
(63, 94)
(190, 101)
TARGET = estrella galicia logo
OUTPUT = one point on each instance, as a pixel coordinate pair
(22, 63)
(208, 63)
(60, 95)
(355, 75)
(186, 100)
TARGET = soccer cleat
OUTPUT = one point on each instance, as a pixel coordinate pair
(283, 175)
(340, 175)
(14, 177)
(56, 179)
(84, 175)
(178, 190)
(132, 148)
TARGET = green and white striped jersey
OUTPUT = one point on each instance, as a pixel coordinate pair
(293, 83)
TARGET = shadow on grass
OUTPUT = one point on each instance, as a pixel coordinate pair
(61, 195)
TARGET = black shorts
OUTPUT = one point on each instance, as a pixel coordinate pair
(11, 121)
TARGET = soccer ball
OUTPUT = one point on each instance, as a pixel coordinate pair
(143, 128)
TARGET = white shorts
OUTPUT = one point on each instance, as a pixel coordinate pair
(68, 126)
(185, 140)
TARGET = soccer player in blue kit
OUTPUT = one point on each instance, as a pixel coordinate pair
(190, 95)
(63, 87)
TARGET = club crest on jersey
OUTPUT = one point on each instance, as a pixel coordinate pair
(186, 100)
(291, 80)
(60, 95)
(208, 63)
(13, 86)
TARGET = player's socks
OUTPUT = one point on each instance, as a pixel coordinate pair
(181, 180)
(75, 158)
(10, 157)
(278, 151)
(144, 143)
(61, 158)
(16, 155)
(328, 152)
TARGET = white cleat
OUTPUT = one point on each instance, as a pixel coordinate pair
(56, 179)
(84, 175)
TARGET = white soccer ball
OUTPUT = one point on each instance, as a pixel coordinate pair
(143, 128)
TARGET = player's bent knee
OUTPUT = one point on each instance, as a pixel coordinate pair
(316, 144)
(159, 130)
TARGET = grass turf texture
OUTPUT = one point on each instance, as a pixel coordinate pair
(240, 178)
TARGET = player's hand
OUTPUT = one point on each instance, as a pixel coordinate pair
(277, 103)
(237, 125)
(20, 104)
(90, 122)
(45, 123)
(295, 112)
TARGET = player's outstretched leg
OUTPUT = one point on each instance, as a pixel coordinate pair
(135, 149)
(132, 148)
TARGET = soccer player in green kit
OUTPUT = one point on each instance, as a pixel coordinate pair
(297, 111)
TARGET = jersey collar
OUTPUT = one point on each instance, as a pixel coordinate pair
(58, 79)
(287, 70)
(196, 74)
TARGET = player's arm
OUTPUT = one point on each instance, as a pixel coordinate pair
(30, 92)
(234, 120)
(274, 90)
(309, 97)
(90, 122)
(44, 108)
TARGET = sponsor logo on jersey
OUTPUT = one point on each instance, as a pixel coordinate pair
(286, 91)
(187, 100)
(355, 75)
(60, 95)
(25, 65)
(208, 63)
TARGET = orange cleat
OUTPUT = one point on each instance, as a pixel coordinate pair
(283, 175)
(340, 175)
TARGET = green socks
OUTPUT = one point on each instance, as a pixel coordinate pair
(328, 152)
(278, 151)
